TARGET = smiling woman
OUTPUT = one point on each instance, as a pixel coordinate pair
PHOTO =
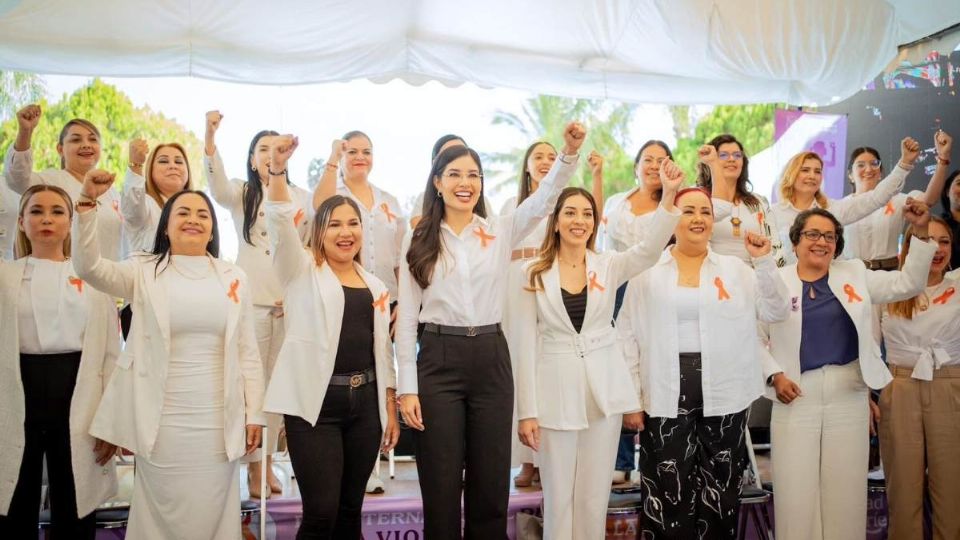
(150, 181)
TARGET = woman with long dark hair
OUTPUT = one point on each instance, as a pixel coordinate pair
(459, 392)
(441, 144)
(567, 347)
(244, 200)
(335, 380)
(186, 395)
(58, 346)
(79, 149)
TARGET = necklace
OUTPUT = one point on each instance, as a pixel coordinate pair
(570, 264)
(735, 220)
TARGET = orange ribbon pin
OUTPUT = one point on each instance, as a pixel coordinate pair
(76, 282)
(594, 284)
(942, 299)
(760, 219)
(382, 301)
(889, 209)
(485, 238)
(386, 210)
(851, 293)
(722, 293)
(233, 291)
(298, 218)
(116, 208)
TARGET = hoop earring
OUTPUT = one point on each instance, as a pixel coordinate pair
(439, 195)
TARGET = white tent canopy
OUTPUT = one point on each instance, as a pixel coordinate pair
(665, 51)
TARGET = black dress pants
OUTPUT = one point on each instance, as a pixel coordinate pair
(333, 459)
(466, 397)
(48, 382)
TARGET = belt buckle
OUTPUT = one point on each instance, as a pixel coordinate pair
(356, 380)
(471, 331)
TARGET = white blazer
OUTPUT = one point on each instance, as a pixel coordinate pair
(313, 304)
(129, 413)
(140, 212)
(559, 369)
(858, 289)
(733, 297)
(101, 344)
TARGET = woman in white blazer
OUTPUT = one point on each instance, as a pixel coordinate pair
(689, 326)
(244, 200)
(58, 346)
(334, 381)
(186, 397)
(824, 360)
(79, 149)
(567, 347)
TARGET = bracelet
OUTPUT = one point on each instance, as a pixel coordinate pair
(331, 166)
(904, 166)
(571, 156)
(137, 165)
(943, 161)
(89, 198)
(281, 173)
(85, 204)
(924, 238)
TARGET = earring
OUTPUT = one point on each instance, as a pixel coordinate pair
(439, 195)
(253, 168)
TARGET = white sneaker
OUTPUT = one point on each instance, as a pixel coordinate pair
(374, 484)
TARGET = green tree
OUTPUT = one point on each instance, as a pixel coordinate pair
(543, 119)
(17, 88)
(751, 124)
(117, 118)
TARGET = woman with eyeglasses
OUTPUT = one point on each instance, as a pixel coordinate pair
(244, 200)
(919, 419)
(458, 392)
(723, 171)
(688, 329)
(441, 144)
(875, 239)
(821, 364)
(800, 189)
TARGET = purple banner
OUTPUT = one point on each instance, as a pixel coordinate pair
(825, 134)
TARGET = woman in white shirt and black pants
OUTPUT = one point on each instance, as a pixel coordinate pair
(692, 318)
(58, 347)
(459, 392)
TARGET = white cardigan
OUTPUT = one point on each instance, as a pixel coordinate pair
(733, 297)
(558, 369)
(314, 312)
(101, 344)
(129, 413)
(868, 288)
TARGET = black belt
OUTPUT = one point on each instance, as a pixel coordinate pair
(468, 331)
(354, 380)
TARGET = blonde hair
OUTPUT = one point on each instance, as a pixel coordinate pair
(152, 190)
(905, 308)
(792, 171)
(550, 247)
(66, 128)
(23, 247)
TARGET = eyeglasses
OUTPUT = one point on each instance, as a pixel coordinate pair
(724, 156)
(813, 235)
(860, 165)
(457, 176)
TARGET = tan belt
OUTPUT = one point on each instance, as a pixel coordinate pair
(944, 372)
(883, 264)
(523, 254)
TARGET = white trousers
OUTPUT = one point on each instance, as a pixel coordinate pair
(576, 470)
(820, 454)
(270, 331)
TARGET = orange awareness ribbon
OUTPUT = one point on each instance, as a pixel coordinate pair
(484, 237)
(852, 295)
(78, 283)
(722, 293)
(942, 299)
(386, 210)
(298, 218)
(116, 208)
(382, 302)
(594, 284)
(233, 291)
(760, 219)
(889, 209)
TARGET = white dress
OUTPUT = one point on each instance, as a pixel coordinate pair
(186, 488)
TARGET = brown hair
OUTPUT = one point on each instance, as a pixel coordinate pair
(792, 171)
(66, 127)
(744, 189)
(550, 247)
(321, 222)
(23, 247)
(152, 190)
(905, 308)
(526, 181)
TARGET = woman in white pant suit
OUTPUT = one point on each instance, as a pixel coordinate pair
(573, 386)
(824, 360)
(187, 391)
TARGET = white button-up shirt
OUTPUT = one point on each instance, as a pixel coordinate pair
(469, 281)
(383, 230)
(931, 339)
(52, 312)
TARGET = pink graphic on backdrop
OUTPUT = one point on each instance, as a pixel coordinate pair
(828, 140)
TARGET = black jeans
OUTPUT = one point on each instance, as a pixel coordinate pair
(48, 382)
(333, 459)
(466, 397)
(691, 466)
